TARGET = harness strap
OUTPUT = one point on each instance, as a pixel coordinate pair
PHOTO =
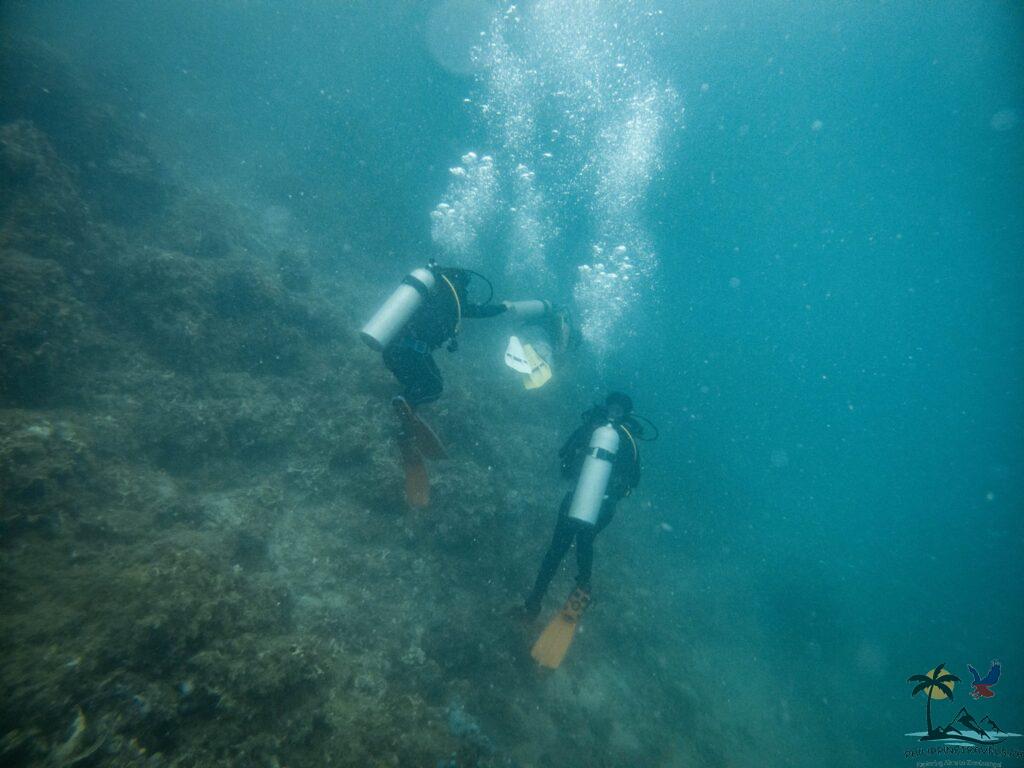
(417, 284)
(458, 304)
(636, 451)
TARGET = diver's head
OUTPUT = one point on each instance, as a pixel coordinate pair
(459, 278)
(619, 405)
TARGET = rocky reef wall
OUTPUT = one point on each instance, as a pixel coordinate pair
(205, 556)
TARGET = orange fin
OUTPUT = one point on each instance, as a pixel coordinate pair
(417, 484)
(554, 642)
(427, 441)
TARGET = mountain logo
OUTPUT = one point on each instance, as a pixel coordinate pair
(963, 728)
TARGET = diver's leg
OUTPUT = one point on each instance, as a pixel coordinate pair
(416, 372)
(605, 515)
(397, 359)
(560, 543)
(425, 384)
(585, 536)
(585, 554)
(431, 385)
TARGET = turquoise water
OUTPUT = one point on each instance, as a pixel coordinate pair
(792, 230)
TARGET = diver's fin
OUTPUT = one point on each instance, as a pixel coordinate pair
(540, 371)
(417, 484)
(551, 646)
(515, 356)
(426, 440)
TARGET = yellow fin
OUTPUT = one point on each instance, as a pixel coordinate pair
(554, 642)
(540, 371)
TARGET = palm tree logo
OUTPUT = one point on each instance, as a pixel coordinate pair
(937, 684)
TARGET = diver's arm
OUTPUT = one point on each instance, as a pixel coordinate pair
(592, 419)
(483, 310)
(623, 481)
(568, 454)
(634, 475)
(572, 442)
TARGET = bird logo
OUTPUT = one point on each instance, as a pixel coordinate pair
(981, 687)
(963, 729)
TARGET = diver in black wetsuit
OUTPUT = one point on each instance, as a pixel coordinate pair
(624, 478)
(437, 321)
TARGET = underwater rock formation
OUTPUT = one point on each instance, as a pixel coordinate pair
(205, 556)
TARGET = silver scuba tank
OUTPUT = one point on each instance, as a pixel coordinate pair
(399, 307)
(531, 309)
(594, 475)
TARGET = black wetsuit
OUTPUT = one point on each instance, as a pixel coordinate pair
(409, 357)
(624, 478)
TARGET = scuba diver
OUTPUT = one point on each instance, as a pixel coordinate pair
(422, 314)
(545, 333)
(602, 457)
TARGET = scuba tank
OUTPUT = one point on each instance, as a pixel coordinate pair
(531, 309)
(399, 307)
(594, 475)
